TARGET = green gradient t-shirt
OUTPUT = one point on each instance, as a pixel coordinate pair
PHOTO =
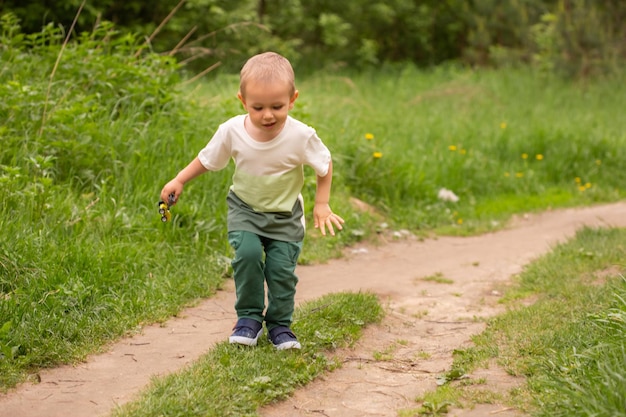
(269, 176)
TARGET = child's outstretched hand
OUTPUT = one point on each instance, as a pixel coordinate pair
(324, 217)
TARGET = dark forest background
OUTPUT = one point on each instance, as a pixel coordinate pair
(576, 38)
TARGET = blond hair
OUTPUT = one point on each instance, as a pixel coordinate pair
(267, 67)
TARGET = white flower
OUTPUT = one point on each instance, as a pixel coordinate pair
(447, 195)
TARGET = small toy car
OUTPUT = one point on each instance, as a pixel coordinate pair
(164, 208)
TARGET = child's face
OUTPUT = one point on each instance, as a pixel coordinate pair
(268, 105)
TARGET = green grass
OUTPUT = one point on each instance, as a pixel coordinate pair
(233, 381)
(569, 343)
(479, 134)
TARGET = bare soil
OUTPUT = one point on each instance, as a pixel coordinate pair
(393, 363)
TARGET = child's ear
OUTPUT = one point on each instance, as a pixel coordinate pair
(240, 97)
(293, 99)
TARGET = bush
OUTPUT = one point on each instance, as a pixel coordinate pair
(79, 159)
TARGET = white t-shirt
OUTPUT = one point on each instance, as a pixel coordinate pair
(268, 176)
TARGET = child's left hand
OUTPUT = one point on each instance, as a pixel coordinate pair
(324, 218)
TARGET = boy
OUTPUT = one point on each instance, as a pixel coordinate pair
(265, 207)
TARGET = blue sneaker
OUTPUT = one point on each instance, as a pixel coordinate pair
(246, 332)
(283, 338)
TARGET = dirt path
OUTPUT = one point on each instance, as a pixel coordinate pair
(426, 321)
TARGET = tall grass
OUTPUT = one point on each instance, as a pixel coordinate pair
(84, 257)
(504, 141)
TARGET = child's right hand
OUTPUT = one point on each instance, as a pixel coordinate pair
(174, 187)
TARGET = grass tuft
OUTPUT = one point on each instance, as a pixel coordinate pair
(233, 380)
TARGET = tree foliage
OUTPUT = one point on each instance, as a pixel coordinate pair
(574, 37)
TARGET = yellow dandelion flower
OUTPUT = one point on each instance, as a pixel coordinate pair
(369, 136)
(452, 147)
(588, 185)
(459, 221)
(463, 151)
(377, 155)
(581, 188)
(598, 162)
(578, 180)
(524, 156)
(503, 125)
(539, 157)
(519, 174)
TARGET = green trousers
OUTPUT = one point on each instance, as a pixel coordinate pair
(259, 260)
